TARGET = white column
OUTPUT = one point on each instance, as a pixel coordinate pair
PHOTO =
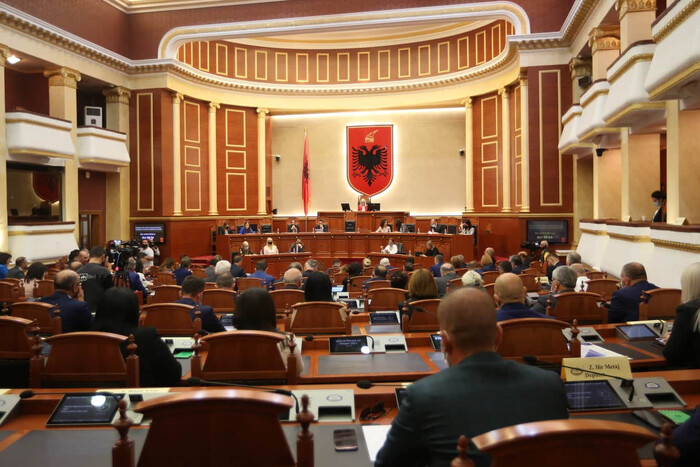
(596, 183)
(525, 144)
(213, 208)
(673, 163)
(63, 85)
(262, 209)
(177, 192)
(4, 242)
(118, 186)
(505, 100)
(469, 154)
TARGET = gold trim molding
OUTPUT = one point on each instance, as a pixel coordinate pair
(680, 246)
(63, 76)
(117, 95)
(633, 108)
(633, 6)
(580, 67)
(677, 78)
(37, 123)
(594, 232)
(629, 64)
(33, 152)
(630, 238)
(18, 233)
(94, 160)
(681, 16)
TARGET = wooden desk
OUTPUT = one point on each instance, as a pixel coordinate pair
(328, 246)
(276, 264)
(365, 221)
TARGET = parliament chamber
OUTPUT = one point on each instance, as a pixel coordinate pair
(199, 152)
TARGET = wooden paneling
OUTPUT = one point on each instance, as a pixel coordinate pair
(551, 175)
(194, 164)
(488, 160)
(516, 150)
(28, 91)
(367, 64)
(237, 166)
(143, 151)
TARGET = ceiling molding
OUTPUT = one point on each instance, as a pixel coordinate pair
(153, 6)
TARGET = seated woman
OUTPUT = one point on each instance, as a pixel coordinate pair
(430, 249)
(384, 227)
(255, 311)
(246, 229)
(36, 272)
(318, 288)
(354, 269)
(466, 227)
(683, 344)
(421, 286)
(270, 248)
(398, 279)
(486, 265)
(168, 265)
(119, 313)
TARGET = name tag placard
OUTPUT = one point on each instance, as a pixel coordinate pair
(613, 366)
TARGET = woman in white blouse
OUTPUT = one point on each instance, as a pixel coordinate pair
(384, 227)
(36, 272)
(270, 248)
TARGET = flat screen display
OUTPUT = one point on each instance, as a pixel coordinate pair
(553, 231)
(155, 233)
(384, 318)
(349, 344)
(85, 409)
(436, 340)
(637, 331)
(589, 395)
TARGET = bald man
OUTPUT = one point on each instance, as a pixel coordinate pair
(479, 392)
(509, 295)
(624, 304)
(292, 278)
(68, 296)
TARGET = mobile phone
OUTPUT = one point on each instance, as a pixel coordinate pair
(345, 440)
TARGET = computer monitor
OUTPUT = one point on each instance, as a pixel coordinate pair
(254, 227)
(452, 229)
(410, 227)
(441, 228)
(374, 206)
(266, 228)
(350, 226)
(345, 207)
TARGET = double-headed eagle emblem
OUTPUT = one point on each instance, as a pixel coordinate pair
(369, 163)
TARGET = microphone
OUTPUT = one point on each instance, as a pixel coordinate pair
(626, 382)
(28, 394)
(366, 384)
(194, 381)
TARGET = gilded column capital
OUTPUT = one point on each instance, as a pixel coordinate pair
(262, 112)
(503, 92)
(467, 102)
(177, 97)
(5, 53)
(632, 6)
(522, 77)
(604, 38)
(580, 66)
(117, 95)
(63, 76)
(213, 106)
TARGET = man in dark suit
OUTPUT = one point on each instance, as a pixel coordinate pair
(261, 273)
(447, 273)
(191, 294)
(687, 439)
(19, 270)
(624, 304)
(379, 274)
(435, 268)
(553, 262)
(563, 280)
(237, 268)
(479, 392)
(68, 296)
(184, 270)
(509, 295)
(517, 262)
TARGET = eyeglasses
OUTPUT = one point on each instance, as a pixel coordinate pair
(373, 413)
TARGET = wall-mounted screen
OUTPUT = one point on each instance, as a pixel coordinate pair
(553, 231)
(155, 233)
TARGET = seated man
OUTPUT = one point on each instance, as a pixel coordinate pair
(553, 262)
(386, 263)
(292, 279)
(582, 280)
(191, 294)
(68, 296)
(297, 247)
(292, 227)
(134, 279)
(544, 245)
(391, 248)
(184, 270)
(509, 295)
(320, 226)
(261, 273)
(516, 261)
(573, 258)
(225, 281)
(624, 304)
(447, 273)
(505, 266)
(20, 269)
(245, 249)
(211, 269)
(435, 268)
(475, 395)
(310, 267)
(379, 274)
(563, 280)
(237, 267)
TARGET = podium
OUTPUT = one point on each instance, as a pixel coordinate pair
(366, 221)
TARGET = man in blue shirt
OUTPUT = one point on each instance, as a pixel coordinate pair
(184, 270)
(624, 304)
(261, 273)
(191, 294)
(435, 268)
(509, 295)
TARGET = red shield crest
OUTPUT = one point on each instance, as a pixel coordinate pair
(370, 158)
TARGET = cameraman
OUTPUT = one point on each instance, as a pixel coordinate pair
(150, 255)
